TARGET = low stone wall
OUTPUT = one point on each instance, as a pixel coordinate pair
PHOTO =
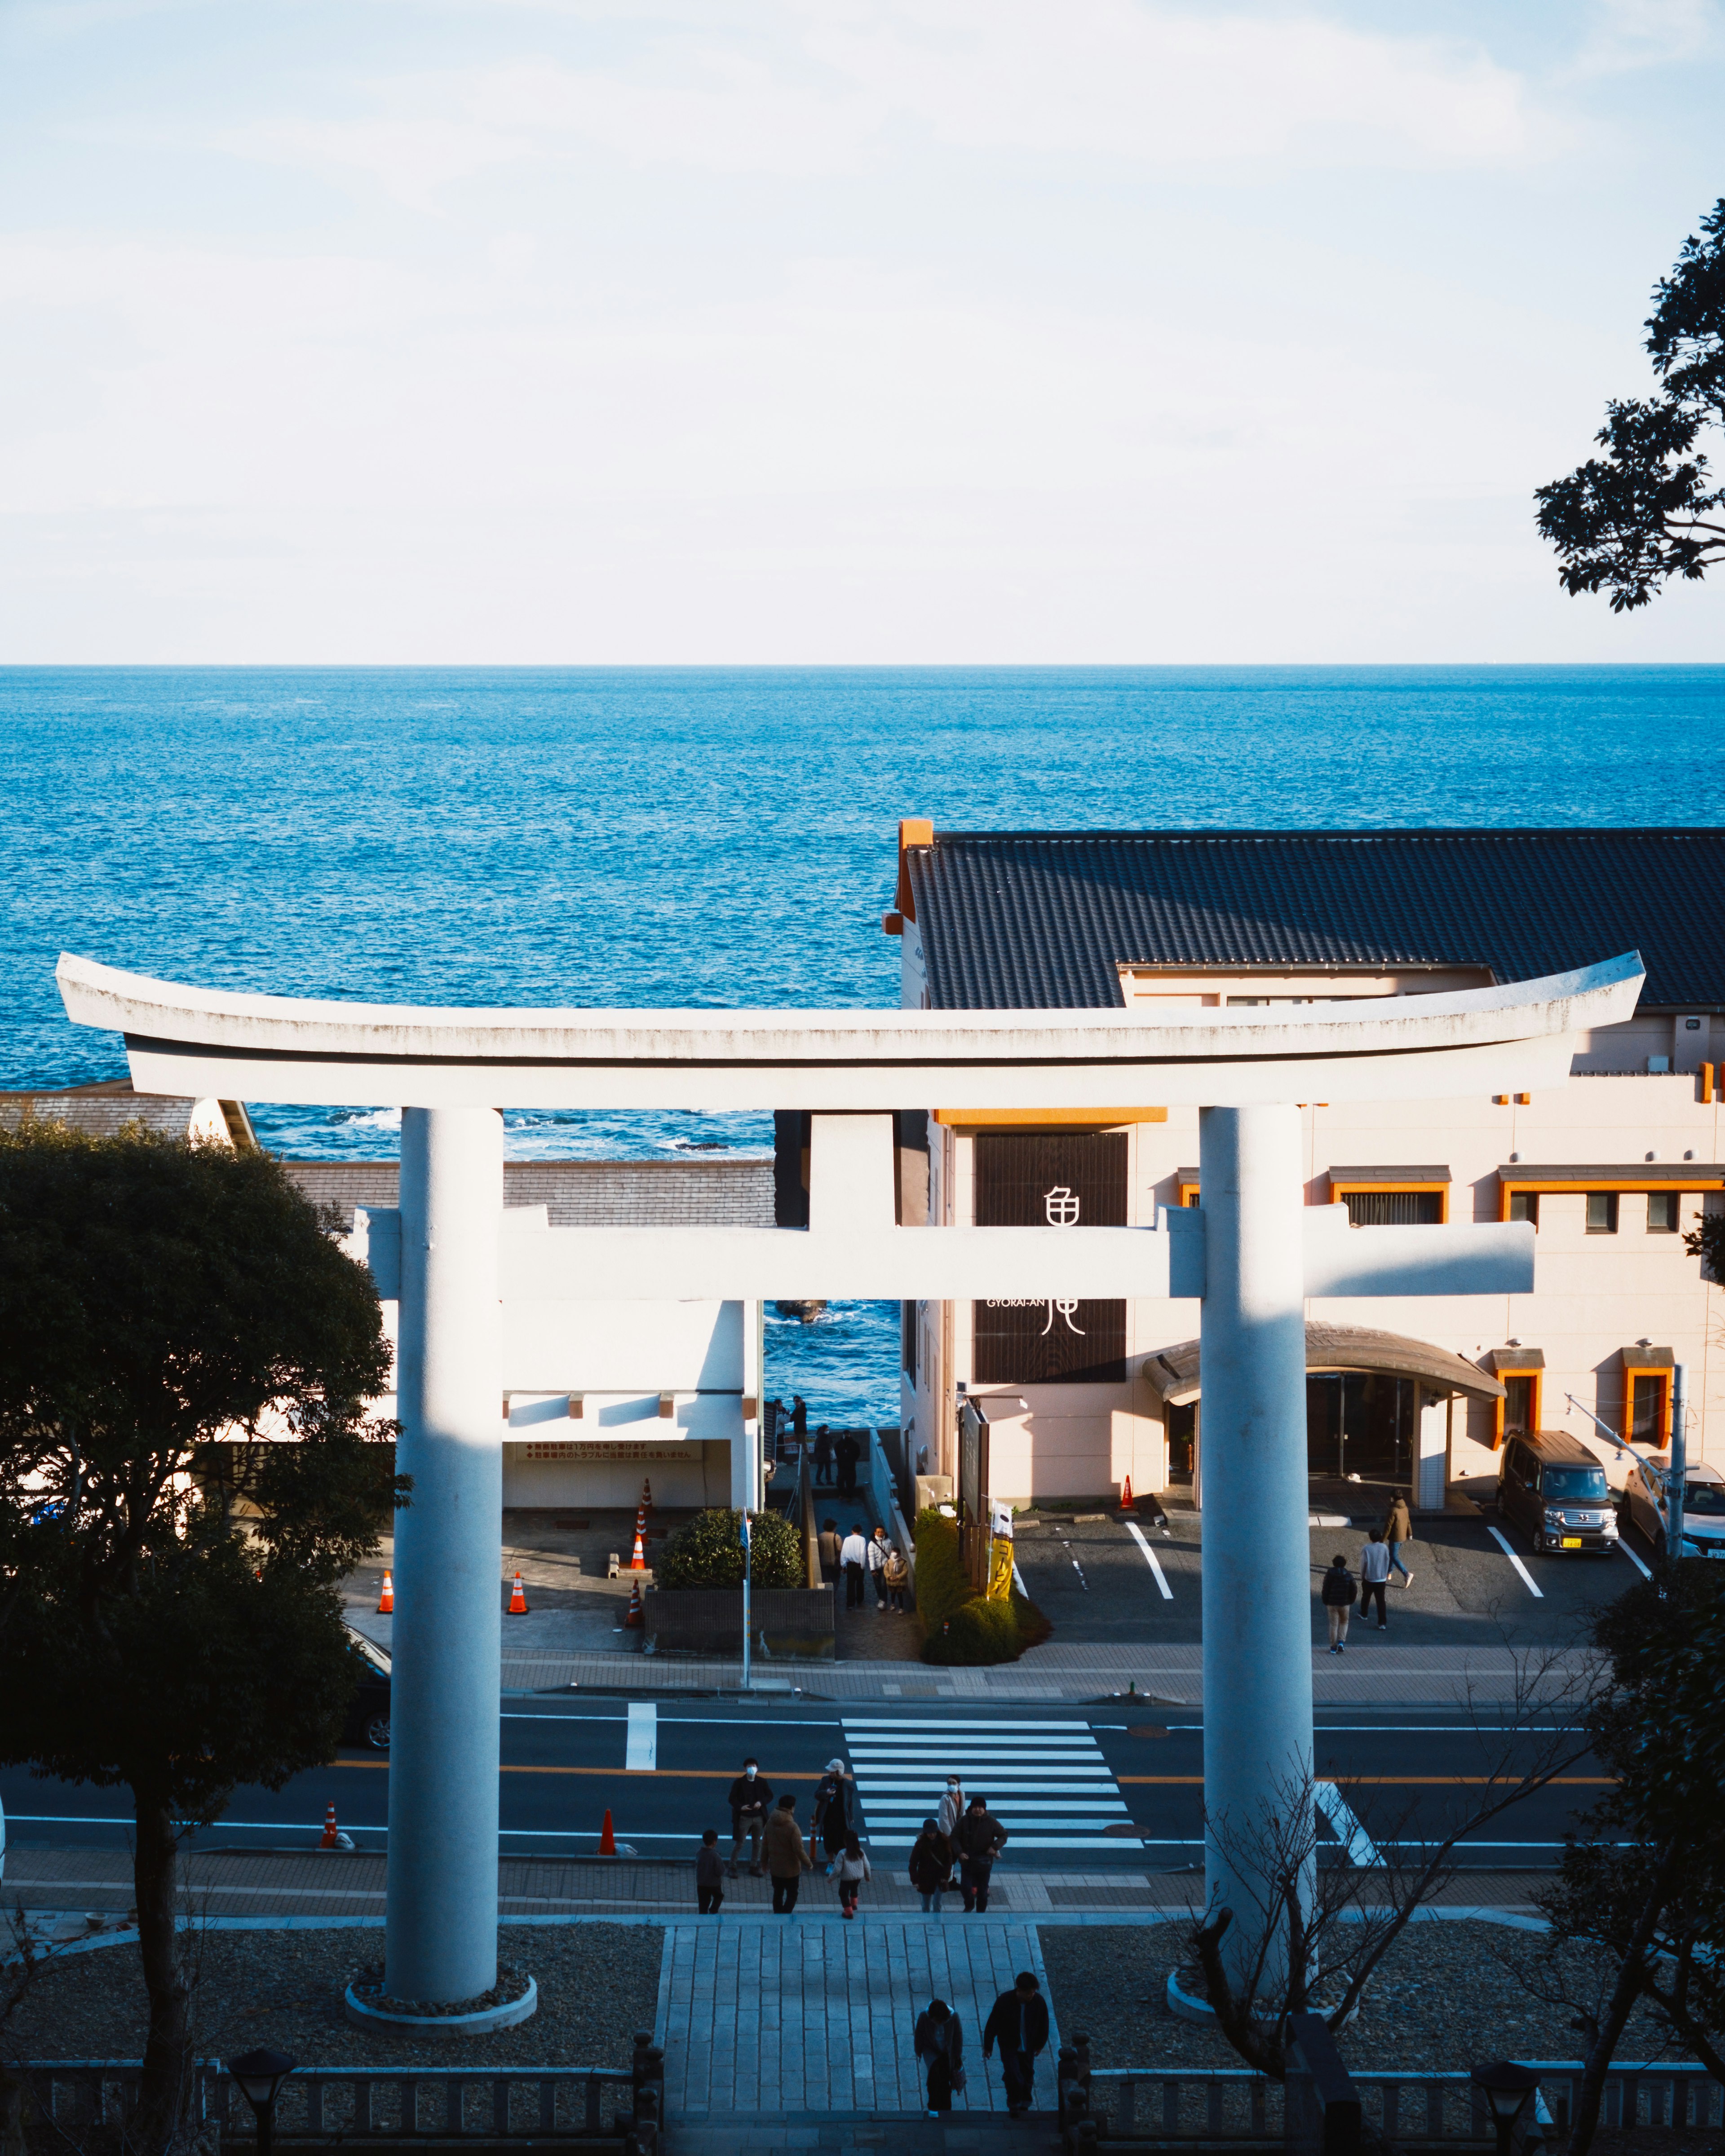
(787, 1623)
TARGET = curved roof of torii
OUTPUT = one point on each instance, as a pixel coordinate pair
(203, 1041)
(1174, 1371)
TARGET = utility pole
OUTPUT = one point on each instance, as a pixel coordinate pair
(1679, 1470)
(748, 1567)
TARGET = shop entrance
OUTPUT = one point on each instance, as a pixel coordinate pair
(1359, 1424)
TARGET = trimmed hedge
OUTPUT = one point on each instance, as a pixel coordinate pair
(708, 1551)
(960, 1627)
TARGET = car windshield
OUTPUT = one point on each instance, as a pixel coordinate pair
(1572, 1484)
(367, 1650)
(1707, 1498)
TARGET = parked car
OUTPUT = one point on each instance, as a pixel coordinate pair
(1551, 1485)
(368, 1717)
(1645, 1504)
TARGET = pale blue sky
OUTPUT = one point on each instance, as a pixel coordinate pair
(812, 331)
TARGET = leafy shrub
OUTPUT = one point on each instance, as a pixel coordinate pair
(708, 1551)
(958, 1625)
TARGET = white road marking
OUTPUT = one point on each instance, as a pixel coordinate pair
(1047, 1782)
(1138, 1535)
(642, 1757)
(1503, 1543)
(1360, 1847)
(1622, 1545)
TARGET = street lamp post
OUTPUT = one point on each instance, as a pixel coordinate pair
(748, 1567)
(1508, 2090)
(260, 2074)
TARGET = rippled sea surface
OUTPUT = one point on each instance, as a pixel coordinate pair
(691, 837)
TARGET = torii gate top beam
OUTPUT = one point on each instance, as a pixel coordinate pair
(203, 1041)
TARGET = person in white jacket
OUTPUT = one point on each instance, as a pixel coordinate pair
(850, 1867)
(1374, 1579)
(952, 1808)
(853, 1556)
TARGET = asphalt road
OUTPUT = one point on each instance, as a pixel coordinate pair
(1078, 1790)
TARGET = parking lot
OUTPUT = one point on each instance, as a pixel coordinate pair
(1475, 1581)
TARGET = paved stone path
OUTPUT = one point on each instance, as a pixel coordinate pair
(806, 2016)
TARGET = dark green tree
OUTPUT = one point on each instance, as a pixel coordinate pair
(156, 1298)
(1648, 510)
(708, 1552)
(1638, 1903)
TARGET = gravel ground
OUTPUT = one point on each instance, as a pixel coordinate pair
(1443, 1999)
(597, 1984)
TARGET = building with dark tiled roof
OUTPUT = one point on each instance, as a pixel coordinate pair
(101, 1110)
(1613, 1169)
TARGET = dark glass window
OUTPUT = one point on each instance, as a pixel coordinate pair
(1584, 1485)
(1661, 1213)
(1050, 1179)
(1394, 1209)
(907, 1339)
(1517, 1404)
(1182, 1423)
(1524, 1205)
(1602, 1212)
(1647, 1421)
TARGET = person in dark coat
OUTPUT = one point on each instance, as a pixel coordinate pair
(751, 1798)
(1017, 2022)
(980, 1838)
(932, 1866)
(822, 1452)
(709, 1875)
(832, 1822)
(940, 2045)
(849, 1453)
(1337, 1595)
(830, 1543)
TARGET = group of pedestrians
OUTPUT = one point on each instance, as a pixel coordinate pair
(775, 1844)
(862, 1557)
(825, 1452)
(962, 1835)
(1379, 1558)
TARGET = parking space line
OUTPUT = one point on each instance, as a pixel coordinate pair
(1503, 1543)
(1622, 1544)
(1336, 1809)
(642, 1756)
(1138, 1535)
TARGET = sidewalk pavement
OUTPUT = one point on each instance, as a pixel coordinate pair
(820, 2017)
(313, 1883)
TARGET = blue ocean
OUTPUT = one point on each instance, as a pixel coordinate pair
(723, 837)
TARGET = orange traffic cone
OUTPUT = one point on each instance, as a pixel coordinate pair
(635, 1614)
(517, 1598)
(386, 1600)
(638, 1563)
(332, 1832)
(646, 1493)
(607, 1839)
(1126, 1496)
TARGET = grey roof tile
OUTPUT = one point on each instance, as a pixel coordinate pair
(578, 1193)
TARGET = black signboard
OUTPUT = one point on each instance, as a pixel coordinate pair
(1050, 1179)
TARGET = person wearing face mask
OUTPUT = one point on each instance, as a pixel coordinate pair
(952, 1808)
(751, 1798)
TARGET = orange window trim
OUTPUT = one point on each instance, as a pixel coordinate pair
(1623, 1186)
(1338, 1191)
(1500, 1408)
(1046, 1119)
(1189, 1194)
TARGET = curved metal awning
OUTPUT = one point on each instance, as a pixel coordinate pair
(1174, 1371)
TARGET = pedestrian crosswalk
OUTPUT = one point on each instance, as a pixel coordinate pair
(1046, 1782)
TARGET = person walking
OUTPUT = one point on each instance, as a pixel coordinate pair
(850, 1867)
(940, 2045)
(981, 1838)
(848, 1451)
(931, 1867)
(751, 1798)
(829, 1541)
(951, 1810)
(709, 1875)
(1374, 1577)
(1338, 1595)
(1398, 1529)
(875, 1557)
(799, 1418)
(832, 1822)
(823, 1458)
(898, 1578)
(787, 1858)
(854, 1552)
(1017, 2022)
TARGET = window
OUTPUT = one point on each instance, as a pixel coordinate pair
(1524, 1205)
(1648, 1420)
(1583, 1486)
(1661, 1213)
(1518, 1404)
(907, 1339)
(1394, 1209)
(1602, 1212)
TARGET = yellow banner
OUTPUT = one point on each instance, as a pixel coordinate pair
(1000, 1569)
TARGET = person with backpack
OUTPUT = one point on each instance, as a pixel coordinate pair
(1374, 1575)
(850, 1867)
(833, 1824)
(931, 1867)
(1398, 1529)
(1337, 1595)
(940, 2045)
(874, 1557)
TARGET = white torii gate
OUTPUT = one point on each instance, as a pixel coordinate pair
(1252, 1251)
